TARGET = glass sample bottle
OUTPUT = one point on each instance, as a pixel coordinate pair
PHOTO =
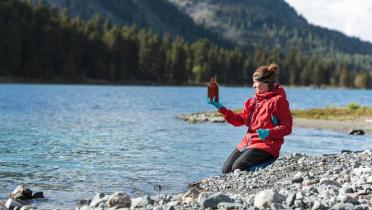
(213, 89)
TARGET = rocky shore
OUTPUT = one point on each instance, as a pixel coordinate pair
(294, 181)
(340, 181)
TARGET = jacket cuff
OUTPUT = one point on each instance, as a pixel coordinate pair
(223, 110)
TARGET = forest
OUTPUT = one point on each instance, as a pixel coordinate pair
(40, 44)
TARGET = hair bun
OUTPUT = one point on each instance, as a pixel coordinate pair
(274, 68)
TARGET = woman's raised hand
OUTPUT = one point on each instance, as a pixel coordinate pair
(215, 103)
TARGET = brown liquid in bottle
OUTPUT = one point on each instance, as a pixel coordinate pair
(213, 89)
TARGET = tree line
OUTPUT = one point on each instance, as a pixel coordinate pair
(41, 44)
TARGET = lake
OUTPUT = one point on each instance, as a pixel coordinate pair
(72, 141)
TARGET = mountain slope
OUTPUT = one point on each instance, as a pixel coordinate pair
(269, 23)
(160, 16)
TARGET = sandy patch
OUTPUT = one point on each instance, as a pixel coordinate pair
(343, 126)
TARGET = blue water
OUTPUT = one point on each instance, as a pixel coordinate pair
(74, 141)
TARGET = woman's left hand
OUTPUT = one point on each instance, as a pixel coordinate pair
(263, 133)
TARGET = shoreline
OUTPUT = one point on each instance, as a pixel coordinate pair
(343, 126)
(340, 181)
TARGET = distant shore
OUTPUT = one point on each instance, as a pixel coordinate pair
(364, 123)
(87, 81)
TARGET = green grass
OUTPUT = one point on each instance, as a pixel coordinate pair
(352, 111)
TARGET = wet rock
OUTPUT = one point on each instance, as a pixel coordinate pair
(356, 132)
(38, 195)
(11, 204)
(213, 200)
(21, 193)
(265, 198)
(119, 199)
(98, 199)
(28, 207)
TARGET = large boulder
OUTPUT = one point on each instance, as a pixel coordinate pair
(265, 198)
(21, 193)
(119, 199)
(213, 200)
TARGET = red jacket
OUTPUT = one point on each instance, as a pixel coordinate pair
(258, 113)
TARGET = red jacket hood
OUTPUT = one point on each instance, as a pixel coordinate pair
(277, 90)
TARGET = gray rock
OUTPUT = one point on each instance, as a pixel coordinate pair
(290, 199)
(141, 202)
(28, 207)
(119, 199)
(11, 204)
(190, 195)
(98, 198)
(213, 200)
(230, 206)
(276, 206)
(344, 198)
(266, 197)
(297, 178)
(346, 189)
(21, 193)
(299, 203)
(317, 205)
(329, 182)
(356, 132)
(85, 208)
(343, 206)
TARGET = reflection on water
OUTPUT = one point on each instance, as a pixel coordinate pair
(74, 141)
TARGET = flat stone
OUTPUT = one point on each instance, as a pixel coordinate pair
(343, 206)
(230, 206)
(213, 200)
(329, 182)
(11, 204)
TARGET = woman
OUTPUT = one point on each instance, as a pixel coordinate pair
(267, 117)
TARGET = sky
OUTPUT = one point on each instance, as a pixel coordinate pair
(352, 17)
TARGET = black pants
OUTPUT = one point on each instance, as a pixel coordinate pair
(242, 160)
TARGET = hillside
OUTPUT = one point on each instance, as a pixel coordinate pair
(268, 24)
(158, 15)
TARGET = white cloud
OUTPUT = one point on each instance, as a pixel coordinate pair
(352, 17)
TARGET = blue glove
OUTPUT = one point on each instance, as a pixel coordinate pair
(214, 103)
(263, 133)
